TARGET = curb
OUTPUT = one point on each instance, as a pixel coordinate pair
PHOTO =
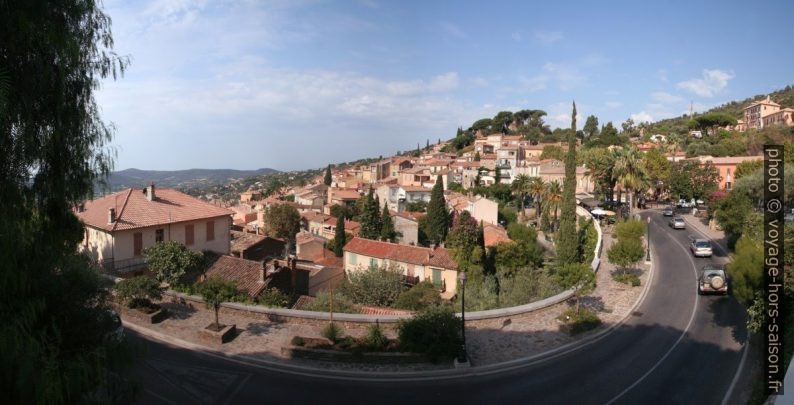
(429, 375)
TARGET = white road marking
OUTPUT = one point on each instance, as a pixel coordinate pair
(678, 341)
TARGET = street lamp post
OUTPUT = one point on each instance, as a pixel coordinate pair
(462, 358)
(648, 241)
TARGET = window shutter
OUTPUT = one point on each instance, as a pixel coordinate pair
(137, 242)
(210, 230)
(189, 234)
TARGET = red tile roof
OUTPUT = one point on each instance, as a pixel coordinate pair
(245, 273)
(133, 210)
(493, 235)
(349, 225)
(401, 253)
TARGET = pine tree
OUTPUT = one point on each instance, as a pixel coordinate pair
(387, 231)
(339, 235)
(370, 218)
(427, 146)
(437, 221)
(328, 179)
(567, 241)
(476, 156)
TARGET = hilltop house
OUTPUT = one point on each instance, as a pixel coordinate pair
(120, 225)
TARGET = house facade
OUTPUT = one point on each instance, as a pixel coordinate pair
(420, 263)
(120, 225)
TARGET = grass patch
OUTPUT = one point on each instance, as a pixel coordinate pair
(578, 322)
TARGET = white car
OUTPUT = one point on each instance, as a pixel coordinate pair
(682, 203)
(677, 223)
(700, 248)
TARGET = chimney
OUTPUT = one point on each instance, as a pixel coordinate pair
(111, 215)
(150, 192)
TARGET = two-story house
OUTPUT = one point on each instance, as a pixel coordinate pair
(414, 262)
(120, 225)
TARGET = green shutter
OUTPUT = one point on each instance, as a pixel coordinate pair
(436, 276)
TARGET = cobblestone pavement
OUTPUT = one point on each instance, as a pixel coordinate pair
(488, 342)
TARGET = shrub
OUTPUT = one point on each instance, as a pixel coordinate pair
(170, 260)
(419, 297)
(297, 341)
(374, 286)
(332, 332)
(138, 292)
(626, 278)
(216, 291)
(375, 339)
(526, 286)
(322, 303)
(580, 321)
(273, 297)
(434, 332)
(626, 252)
(632, 229)
(521, 232)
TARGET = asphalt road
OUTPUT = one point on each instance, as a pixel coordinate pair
(676, 348)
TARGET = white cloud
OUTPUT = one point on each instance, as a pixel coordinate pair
(453, 30)
(565, 76)
(712, 83)
(642, 116)
(666, 98)
(614, 104)
(548, 37)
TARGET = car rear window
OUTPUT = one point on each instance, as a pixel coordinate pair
(702, 244)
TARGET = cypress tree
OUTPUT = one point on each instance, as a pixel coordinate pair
(567, 240)
(437, 221)
(370, 218)
(339, 235)
(328, 179)
(387, 231)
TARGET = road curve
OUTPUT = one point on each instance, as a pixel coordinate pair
(676, 348)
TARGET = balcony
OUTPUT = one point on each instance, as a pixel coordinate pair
(111, 266)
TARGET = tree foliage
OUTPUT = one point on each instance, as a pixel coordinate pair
(375, 286)
(387, 231)
(419, 297)
(436, 222)
(590, 128)
(138, 291)
(577, 276)
(689, 180)
(339, 235)
(567, 241)
(170, 260)
(282, 221)
(53, 56)
(434, 331)
(215, 291)
(370, 218)
(746, 270)
(626, 252)
(327, 179)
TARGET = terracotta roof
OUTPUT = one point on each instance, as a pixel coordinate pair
(401, 253)
(245, 273)
(133, 210)
(411, 215)
(244, 240)
(416, 189)
(727, 160)
(330, 260)
(302, 301)
(493, 234)
(349, 225)
(345, 194)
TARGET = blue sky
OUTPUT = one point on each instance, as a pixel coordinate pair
(299, 84)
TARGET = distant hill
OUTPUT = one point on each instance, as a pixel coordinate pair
(179, 178)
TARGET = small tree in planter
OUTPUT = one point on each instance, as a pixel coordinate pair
(216, 291)
(138, 293)
(625, 253)
(578, 276)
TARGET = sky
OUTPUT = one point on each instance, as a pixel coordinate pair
(298, 84)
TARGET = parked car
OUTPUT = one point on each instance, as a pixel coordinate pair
(677, 223)
(682, 203)
(700, 248)
(116, 329)
(712, 280)
(668, 212)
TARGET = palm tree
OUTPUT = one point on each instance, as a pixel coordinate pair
(536, 188)
(630, 172)
(553, 195)
(520, 188)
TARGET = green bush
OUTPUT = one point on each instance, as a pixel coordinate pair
(434, 332)
(419, 297)
(297, 341)
(580, 321)
(138, 292)
(520, 232)
(375, 340)
(374, 286)
(632, 229)
(273, 297)
(626, 278)
(322, 303)
(170, 260)
(332, 332)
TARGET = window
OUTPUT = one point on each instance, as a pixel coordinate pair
(353, 258)
(137, 243)
(85, 242)
(373, 262)
(159, 235)
(436, 277)
(210, 230)
(189, 234)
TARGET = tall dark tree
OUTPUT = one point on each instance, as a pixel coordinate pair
(370, 218)
(327, 180)
(339, 235)
(591, 127)
(53, 56)
(387, 231)
(427, 145)
(437, 219)
(567, 240)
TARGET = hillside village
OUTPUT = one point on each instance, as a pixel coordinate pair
(500, 175)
